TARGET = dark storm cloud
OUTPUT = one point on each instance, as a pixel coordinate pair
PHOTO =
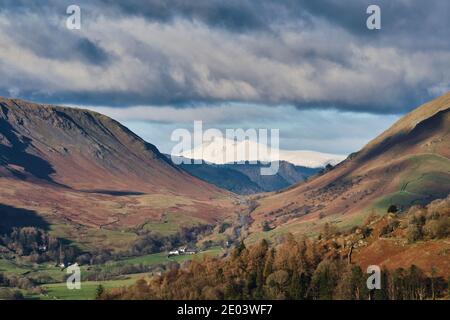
(49, 45)
(232, 14)
(47, 37)
(310, 54)
(412, 23)
(429, 19)
(91, 51)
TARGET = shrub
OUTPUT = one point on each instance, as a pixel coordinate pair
(439, 228)
(10, 294)
(392, 209)
(414, 233)
(266, 227)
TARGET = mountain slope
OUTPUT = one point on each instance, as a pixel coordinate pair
(246, 178)
(80, 169)
(408, 164)
(288, 174)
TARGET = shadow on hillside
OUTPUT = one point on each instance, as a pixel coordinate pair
(115, 192)
(423, 130)
(12, 217)
(15, 153)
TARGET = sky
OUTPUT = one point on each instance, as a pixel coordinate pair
(309, 68)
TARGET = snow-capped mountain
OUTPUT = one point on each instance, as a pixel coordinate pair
(222, 150)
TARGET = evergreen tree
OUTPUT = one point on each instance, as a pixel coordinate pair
(99, 291)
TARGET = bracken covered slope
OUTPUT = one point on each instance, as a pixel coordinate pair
(75, 167)
(408, 164)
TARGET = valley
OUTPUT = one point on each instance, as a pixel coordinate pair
(77, 186)
(93, 181)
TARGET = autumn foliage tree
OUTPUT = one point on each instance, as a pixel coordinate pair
(288, 271)
(299, 269)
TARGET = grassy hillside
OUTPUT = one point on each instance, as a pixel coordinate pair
(406, 165)
(93, 182)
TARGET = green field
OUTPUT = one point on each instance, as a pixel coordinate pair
(171, 223)
(10, 267)
(33, 270)
(88, 239)
(88, 289)
(161, 258)
(56, 287)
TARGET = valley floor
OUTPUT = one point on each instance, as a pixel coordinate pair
(54, 286)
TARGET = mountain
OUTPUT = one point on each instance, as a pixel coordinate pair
(91, 179)
(406, 165)
(246, 178)
(223, 151)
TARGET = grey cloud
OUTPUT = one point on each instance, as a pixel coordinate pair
(404, 21)
(223, 114)
(340, 132)
(310, 54)
(48, 38)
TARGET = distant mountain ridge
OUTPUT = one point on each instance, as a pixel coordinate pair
(246, 178)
